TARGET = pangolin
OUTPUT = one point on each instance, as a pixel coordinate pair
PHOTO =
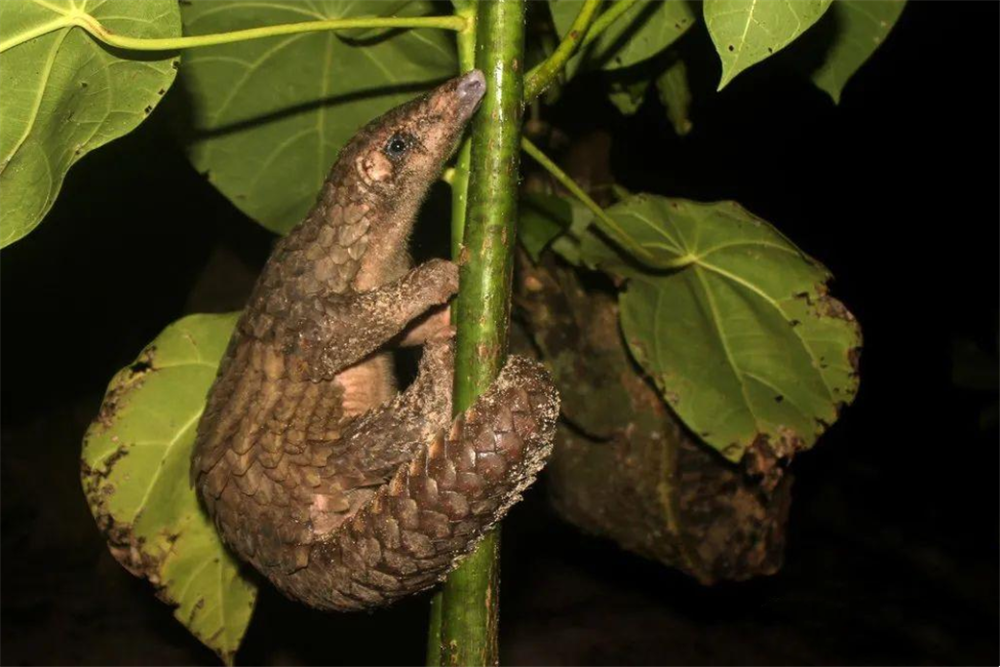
(343, 491)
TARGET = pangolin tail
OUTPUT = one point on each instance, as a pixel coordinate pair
(435, 508)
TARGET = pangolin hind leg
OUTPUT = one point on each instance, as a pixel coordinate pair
(373, 446)
(376, 443)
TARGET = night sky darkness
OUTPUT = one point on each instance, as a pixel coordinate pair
(893, 540)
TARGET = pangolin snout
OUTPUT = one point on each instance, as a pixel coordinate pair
(470, 90)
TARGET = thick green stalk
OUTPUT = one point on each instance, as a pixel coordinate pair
(469, 604)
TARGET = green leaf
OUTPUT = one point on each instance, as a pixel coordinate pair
(551, 220)
(136, 468)
(675, 95)
(542, 219)
(63, 94)
(747, 31)
(627, 96)
(624, 468)
(861, 26)
(269, 116)
(640, 33)
(744, 342)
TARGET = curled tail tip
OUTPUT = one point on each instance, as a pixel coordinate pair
(515, 422)
(534, 378)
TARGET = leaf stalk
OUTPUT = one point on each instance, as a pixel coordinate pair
(607, 18)
(585, 29)
(96, 29)
(608, 224)
(543, 74)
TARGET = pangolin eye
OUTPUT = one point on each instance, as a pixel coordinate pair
(397, 146)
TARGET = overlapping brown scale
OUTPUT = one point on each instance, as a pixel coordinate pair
(320, 503)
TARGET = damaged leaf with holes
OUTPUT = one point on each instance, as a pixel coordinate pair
(63, 94)
(746, 32)
(135, 470)
(744, 341)
(624, 467)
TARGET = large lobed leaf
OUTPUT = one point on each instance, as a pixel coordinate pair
(63, 94)
(623, 466)
(744, 341)
(136, 475)
(269, 116)
(747, 31)
(861, 26)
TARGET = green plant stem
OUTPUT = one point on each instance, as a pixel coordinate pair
(98, 31)
(582, 33)
(564, 179)
(459, 183)
(434, 630)
(613, 13)
(540, 76)
(607, 224)
(469, 603)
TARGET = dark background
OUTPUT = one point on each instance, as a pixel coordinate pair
(893, 536)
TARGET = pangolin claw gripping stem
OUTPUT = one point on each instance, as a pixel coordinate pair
(344, 492)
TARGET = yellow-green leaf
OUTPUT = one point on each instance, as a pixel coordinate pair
(627, 96)
(269, 116)
(675, 95)
(861, 26)
(747, 31)
(545, 220)
(744, 342)
(136, 475)
(639, 33)
(63, 94)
